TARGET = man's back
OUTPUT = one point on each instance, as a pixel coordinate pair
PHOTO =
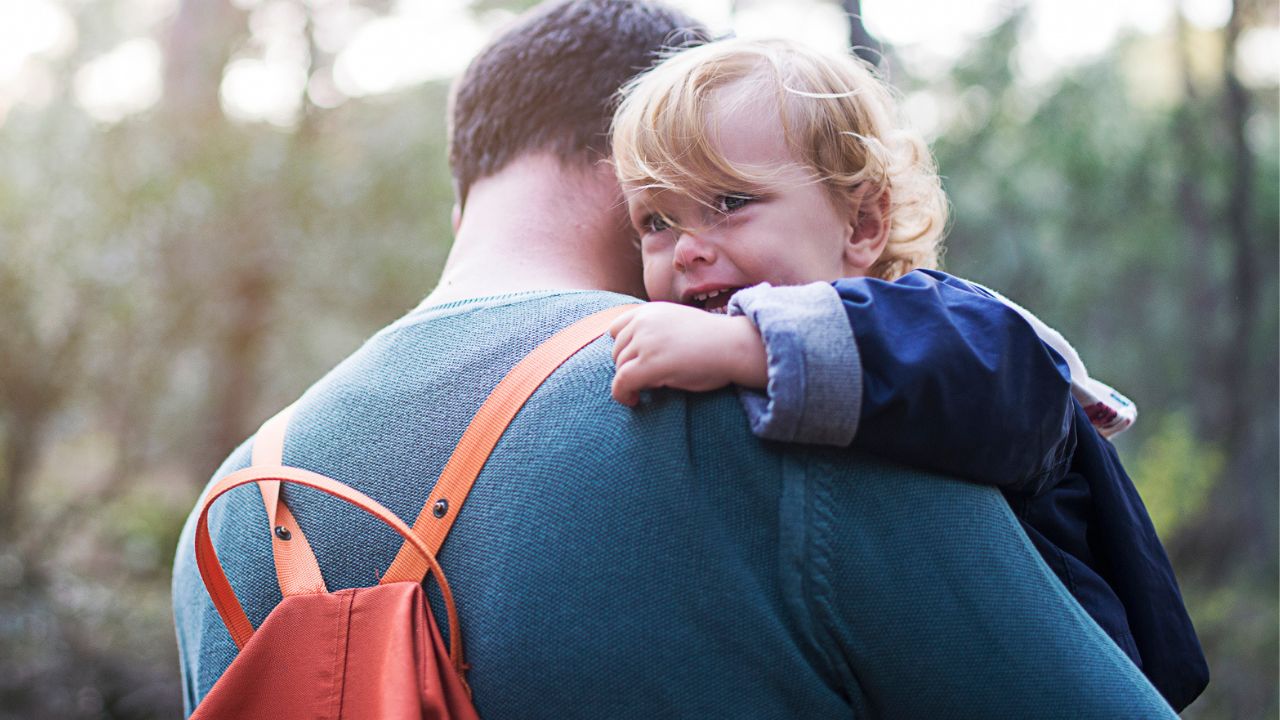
(662, 562)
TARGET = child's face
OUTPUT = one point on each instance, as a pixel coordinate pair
(792, 233)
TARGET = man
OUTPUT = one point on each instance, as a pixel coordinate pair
(655, 562)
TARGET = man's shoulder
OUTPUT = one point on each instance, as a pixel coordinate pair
(476, 342)
(485, 337)
(534, 312)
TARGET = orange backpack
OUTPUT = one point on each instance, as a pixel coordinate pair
(371, 652)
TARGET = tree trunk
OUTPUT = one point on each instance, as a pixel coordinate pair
(1224, 308)
(1239, 223)
(864, 46)
(198, 46)
(1203, 292)
(21, 434)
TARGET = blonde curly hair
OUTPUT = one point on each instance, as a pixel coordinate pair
(839, 118)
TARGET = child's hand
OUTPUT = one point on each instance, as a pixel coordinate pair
(667, 345)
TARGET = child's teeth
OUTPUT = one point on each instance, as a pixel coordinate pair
(713, 293)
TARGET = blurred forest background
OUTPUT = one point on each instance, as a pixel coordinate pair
(183, 181)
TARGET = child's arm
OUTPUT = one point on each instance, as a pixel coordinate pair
(662, 344)
(935, 373)
(955, 380)
(1109, 412)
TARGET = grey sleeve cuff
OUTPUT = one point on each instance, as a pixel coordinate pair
(814, 393)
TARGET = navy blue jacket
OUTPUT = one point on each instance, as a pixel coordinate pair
(954, 380)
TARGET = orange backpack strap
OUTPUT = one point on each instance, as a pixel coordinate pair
(215, 579)
(444, 502)
(296, 566)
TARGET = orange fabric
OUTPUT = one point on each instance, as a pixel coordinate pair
(268, 444)
(479, 439)
(224, 598)
(358, 654)
(296, 568)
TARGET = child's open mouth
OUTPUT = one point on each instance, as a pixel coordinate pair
(713, 301)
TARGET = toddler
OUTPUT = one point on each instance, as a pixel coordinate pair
(749, 165)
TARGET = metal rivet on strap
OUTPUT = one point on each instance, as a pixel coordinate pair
(283, 533)
(440, 508)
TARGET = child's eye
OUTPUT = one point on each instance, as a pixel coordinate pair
(732, 202)
(655, 224)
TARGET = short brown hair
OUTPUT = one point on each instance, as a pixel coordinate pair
(550, 81)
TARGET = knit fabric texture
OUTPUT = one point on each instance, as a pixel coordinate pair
(662, 562)
(814, 394)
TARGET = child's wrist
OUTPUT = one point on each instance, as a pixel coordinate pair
(749, 363)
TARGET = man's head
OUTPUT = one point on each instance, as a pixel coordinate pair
(548, 83)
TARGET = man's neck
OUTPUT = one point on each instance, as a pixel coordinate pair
(537, 225)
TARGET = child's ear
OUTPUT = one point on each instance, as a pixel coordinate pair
(456, 217)
(868, 229)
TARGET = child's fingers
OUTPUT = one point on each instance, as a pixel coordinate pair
(622, 340)
(627, 354)
(622, 388)
(634, 375)
(620, 322)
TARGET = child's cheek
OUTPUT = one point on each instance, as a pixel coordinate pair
(657, 278)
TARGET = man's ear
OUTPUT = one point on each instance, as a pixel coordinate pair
(456, 217)
(868, 229)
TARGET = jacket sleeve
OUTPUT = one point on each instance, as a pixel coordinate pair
(939, 375)
(814, 394)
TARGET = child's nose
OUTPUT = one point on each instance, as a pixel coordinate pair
(692, 250)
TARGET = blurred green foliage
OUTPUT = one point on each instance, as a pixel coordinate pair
(1175, 472)
(169, 280)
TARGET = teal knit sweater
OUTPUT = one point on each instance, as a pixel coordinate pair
(663, 562)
